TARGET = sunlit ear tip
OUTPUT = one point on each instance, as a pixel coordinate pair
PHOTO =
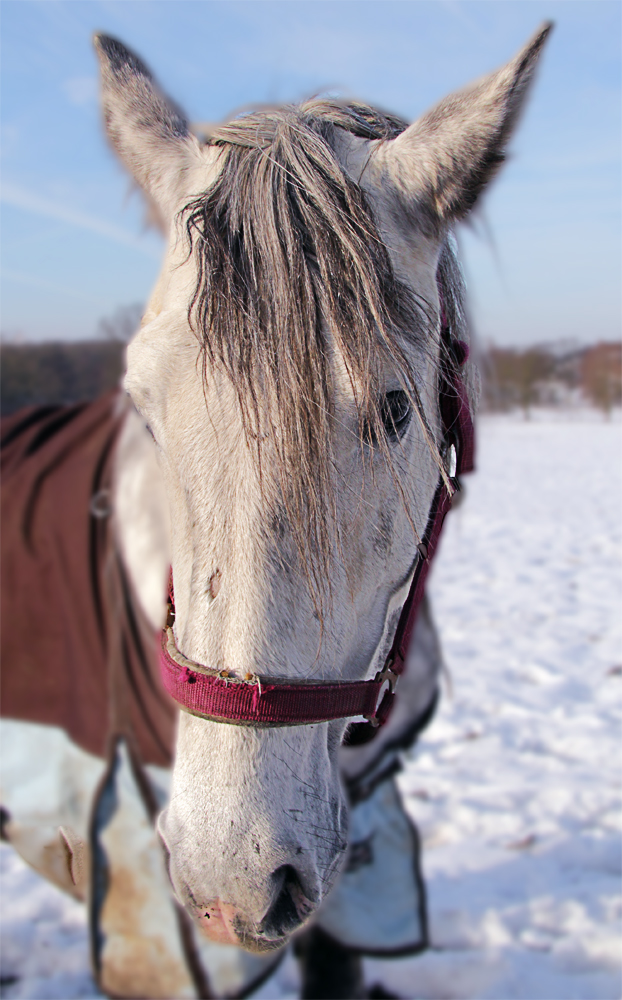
(546, 29)
(97, 39)
(536, 42)
(530, 53)
(104, 43)
(114, 56)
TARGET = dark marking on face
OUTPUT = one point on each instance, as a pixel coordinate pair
(213, 585)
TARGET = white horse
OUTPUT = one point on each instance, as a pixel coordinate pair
(287, 444)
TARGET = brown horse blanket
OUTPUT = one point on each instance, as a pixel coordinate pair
(76, 651)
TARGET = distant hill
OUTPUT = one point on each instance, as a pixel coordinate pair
(58, 372)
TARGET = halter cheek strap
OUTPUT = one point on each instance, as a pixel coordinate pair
(268, 701)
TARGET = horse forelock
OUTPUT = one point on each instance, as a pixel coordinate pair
(291, 269)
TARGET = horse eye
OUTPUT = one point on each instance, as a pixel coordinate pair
(396, 413)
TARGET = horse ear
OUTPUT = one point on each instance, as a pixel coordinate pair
(441, 163)
(148, 132)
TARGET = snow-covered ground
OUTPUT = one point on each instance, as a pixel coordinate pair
(516, 785)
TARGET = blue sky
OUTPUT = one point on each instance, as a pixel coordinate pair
(543, 257)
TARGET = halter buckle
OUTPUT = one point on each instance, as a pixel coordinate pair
(386, 674)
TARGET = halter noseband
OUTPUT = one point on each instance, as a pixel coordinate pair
(268, 701)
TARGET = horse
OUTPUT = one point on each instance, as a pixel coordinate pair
(268, 498)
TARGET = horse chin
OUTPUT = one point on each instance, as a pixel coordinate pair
(221, 923)
(257, 946)
(260, 945)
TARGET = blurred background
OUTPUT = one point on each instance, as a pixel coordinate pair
(542, 255)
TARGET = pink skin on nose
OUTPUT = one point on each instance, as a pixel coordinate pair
(216, 922)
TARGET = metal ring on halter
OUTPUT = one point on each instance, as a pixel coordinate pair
(452, 461)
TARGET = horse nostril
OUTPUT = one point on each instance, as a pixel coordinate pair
(288, 910)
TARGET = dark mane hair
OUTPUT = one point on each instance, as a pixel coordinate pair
(291, 267)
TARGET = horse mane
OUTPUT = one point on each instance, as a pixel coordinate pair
(291, 267)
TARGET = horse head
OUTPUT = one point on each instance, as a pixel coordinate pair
(287, 367)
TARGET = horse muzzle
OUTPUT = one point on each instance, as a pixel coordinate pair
(289, 909)
(256, 912)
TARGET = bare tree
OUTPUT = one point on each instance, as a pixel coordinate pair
(122, 324)
(602, 376)
(513, 377)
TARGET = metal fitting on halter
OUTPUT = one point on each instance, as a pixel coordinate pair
(389, 675)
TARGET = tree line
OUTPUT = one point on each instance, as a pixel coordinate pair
(37, 374)
(547, 375)
(511, 378)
